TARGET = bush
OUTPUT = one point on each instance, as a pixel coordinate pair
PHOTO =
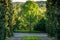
(40, 26)
(31, 38)
(26, 31)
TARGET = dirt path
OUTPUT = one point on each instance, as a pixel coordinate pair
(18, 36)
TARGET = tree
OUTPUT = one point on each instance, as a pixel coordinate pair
(9, 9)
(5, 19)
(15, 17)
(30, 12)
(53, 16)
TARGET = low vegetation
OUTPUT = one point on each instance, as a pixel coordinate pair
(31, 38)
(27, 31)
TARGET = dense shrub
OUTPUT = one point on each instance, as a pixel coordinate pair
(40, 26)
(53, 17)
(6, 29)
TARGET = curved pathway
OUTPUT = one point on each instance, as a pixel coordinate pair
(18, 36)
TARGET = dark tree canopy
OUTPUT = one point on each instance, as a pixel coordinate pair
(53, 14)
(5, 19)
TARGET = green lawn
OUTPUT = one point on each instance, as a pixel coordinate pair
(31, 38)
(26, 31)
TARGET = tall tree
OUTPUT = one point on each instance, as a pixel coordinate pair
(2, 20)
(31, 13)
(51, 17)
(53, 13)
(5, 19)
(9, 10)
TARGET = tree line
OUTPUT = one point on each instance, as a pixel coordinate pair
(29, 16)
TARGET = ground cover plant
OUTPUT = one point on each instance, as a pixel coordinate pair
(31, 38)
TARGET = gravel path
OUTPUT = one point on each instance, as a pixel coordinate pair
(18, 36)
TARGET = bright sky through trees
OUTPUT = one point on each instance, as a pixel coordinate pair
(25, 0)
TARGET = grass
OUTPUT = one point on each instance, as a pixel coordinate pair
(31, 38)
(26, 31)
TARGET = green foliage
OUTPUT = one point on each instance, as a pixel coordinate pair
(5, 19)
(53, 17)
(27, 31)
(31, 38)
(30, 14)
(41, 25)
(51, 22)
(53, 13)
(15, 17)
